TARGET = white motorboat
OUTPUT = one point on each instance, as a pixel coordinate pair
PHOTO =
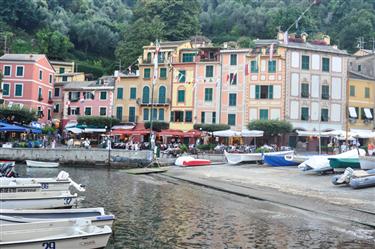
(61, 183)
(78, 233)
(40, 164)
(321, 163)
(31, 197)
(367, 162)
(236, 158)
(97, 215)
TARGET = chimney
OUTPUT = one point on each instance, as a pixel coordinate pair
(225, 44)
(327, 39)
(304, 37)
(280, 36)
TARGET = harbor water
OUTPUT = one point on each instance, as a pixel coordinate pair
(154, 211)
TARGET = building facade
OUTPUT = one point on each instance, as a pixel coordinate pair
(28, 81)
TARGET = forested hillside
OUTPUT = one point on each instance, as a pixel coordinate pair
(100, 33)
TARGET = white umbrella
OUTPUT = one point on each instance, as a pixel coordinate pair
(75, 130)
(251, 133)
(362, 133)
(227, 133)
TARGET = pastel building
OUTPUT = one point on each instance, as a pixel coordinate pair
(88, 98)
(265, 91)
(28, 80)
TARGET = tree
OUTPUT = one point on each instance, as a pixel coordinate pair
(54, 44)
(271, 127)
(17, 115)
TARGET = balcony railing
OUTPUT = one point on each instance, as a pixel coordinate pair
(155, 102)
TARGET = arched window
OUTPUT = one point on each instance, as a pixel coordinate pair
(162, 91)
(149, 57)
(146, 95)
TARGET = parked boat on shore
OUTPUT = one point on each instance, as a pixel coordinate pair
(342, 163)
(54, 234)
(355, 178)
(189, 161)
(284, 160)
(40, 164)
(367, 162)
(236, 158)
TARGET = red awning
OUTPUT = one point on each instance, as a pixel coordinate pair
(192, 133)
(130, 132)
(171, 133)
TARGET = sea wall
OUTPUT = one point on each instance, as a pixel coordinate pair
(79, 156)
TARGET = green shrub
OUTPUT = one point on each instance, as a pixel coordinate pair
(183, 148)
(262, 149)
(206, 146)
(271, 127)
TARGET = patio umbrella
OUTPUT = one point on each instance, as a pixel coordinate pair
(251, 133)
(227, 133)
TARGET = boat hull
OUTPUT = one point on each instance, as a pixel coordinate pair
(196, 162)
(236, 158)
(38, 202)
(38, 164)
(278, 161)
(362, 182)
(367, 163)
(47, 184)
(344, 163)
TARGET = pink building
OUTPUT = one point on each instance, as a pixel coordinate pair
(233, 88)
(88, 98)
(28, 82)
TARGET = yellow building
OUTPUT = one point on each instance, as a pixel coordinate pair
(361, 101)
(65, 72)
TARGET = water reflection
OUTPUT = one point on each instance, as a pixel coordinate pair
(154, 213)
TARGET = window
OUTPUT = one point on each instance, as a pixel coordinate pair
(103, 95)
(233, 59)
(188, 57)
(359, 68)
(40, 94)
(233, 78)
(188, 116)
(57, 92)
(7, 70)
(88, 111)
(146, 114)
(154, 114)
(232, 99)
(103, 111)
(305, 113)
(263, 92)
(177, 116)
(305, 62)
(50, 78)
(324, 115)
(352, 91)
(182, 76)
(181, 96)
(133, 93)
(254, 66)
(272, 66)
(147, 73)
(304, 90)
(148, 60)
(18, 91)
(203, 117)
(49, 117)
(231, 119)
(56, 108)
(161, 114)
(162, 93)
(367, 92)
(132, 114)
(119, 112)
(163, 73)
(6, 89)
(40, 75)
(214, 117)
(19, 71)
(120, 93)
(263, 114)
(146, 95)
(88, 95)
(49, 94)
(62, 70)
(209, 71)
(208, 94)
(74, 96)
(325, 92)
(161, 57)
(64, 78)
(325, 62)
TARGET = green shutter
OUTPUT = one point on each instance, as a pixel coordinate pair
(257, 92)
(305, 62)
(163, 73)
(305, 113)
(209, 71)
(147, 73)
(254, 66)
(61, 70)
(271, 66)
(263, 114)
(233, 59)
(120, 93)
(231, 119)
(203, 117)
(367, 92)
(188, 116)
(131, 114)
(270, 92)
(181, 96)
(18, 92)
(133, 93)
(325, 67)
(182, 76)
(119, 112)
(172, 116)
(161, 114)
(208, 94)
(146, 114)
(5, 89)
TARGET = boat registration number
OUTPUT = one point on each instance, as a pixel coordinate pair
(49, 245)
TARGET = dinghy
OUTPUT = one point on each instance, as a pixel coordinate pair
(188, 161)
(79, 233)
(40, 164)
(367, 162)
(236, 158)
(97, 215)
(355, 178)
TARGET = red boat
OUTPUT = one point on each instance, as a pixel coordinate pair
(196, 162)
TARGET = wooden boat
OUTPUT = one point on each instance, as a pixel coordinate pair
(367, 162)
(344, 163)
(188, 161)
(79, 233)
(283, 160)
(236, 158)
(40, 164)
(97, 215)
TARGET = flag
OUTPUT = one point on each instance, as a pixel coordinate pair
(286, 38)
(246, 69)
(271, 51)
(227, 80)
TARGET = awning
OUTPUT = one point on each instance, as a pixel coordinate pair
(334, 133)
(368, 113)
(192, 133)
(251, 133)
(123, 127)
(312, 134)
(352, 112)
(12, 128)
(171, 133)
(362, 133)
(74, 130)
(130, 132)
(94, 130)
(227, 133)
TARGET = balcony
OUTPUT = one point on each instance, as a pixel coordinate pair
(50, 101)
(156, 102)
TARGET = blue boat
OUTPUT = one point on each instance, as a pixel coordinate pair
(280, 160)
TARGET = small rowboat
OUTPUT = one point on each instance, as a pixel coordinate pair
(188, 161)
(97, 215)
(39, 164)
(67, 234)
(236, 158)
